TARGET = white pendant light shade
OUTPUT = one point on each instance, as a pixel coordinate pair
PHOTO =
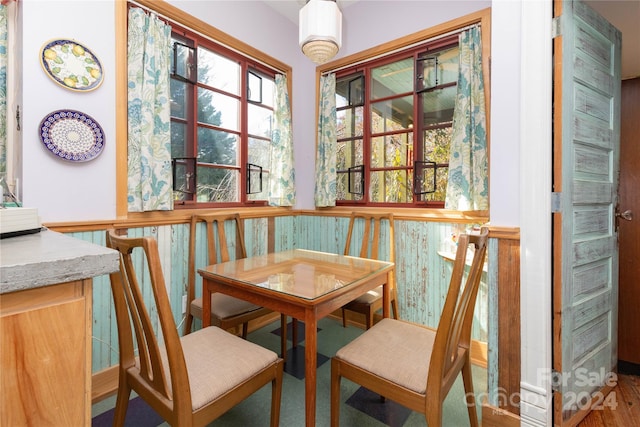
(320, 30)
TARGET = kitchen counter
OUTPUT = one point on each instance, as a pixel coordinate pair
(46, 282)
(47, 258)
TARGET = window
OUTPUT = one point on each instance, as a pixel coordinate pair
(394, 121)
(221, 118)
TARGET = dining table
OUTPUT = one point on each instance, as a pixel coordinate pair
(304, 284)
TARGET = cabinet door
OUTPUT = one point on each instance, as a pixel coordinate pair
(43, 356)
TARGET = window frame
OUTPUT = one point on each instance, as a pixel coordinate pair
(389, 49)
(415, 152)
(246, 66)
(178, 16)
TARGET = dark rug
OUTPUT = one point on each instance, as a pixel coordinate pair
(139, 414)
(386, 411)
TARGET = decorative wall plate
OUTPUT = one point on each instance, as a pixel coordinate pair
(72, 135)
(71, 65)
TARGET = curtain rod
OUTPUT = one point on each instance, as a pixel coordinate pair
(172, 21)
(430, 40)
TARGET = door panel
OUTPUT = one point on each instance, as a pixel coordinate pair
(586, 158)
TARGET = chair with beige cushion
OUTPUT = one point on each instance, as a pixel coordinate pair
(411, 364)
(371, 302)
(189, 381)
(226, 311)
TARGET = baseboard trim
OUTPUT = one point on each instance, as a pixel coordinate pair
(495, 417)
(104, 384)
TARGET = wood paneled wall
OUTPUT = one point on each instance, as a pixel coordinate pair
(503, 404)
(422, 273)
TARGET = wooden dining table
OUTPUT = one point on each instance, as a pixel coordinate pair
(306, 285)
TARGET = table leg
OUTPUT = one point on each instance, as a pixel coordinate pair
(310, 366)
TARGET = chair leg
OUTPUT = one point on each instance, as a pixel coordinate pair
(467, 379)
(245, 330)
(276, 396)
(122, 402)
(188, 322)
(434, 416)
(335, 393)
(394, 308)
(369, 317)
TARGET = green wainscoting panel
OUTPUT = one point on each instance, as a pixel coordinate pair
(422, 272)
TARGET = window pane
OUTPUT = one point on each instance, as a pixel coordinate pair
(393, 186)
(261, 89)
(264, 194)
(259, 120)
(392, 151)
(180, 183)
(393, 114)
(436, 145)
(178, 99)
(343, 186)
(438, 106)
(392, 79)
(349, 122)
(440, 68)
(217, 71)
(350, 154)
(178, 139)
(259, 150)
(218, 148)
(218, 110)
(254, 83)
(217, 185)
(350, 91)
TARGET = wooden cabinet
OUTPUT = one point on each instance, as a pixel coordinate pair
(46, 284)
(45, 361)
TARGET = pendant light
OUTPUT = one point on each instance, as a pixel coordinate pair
(320, 30)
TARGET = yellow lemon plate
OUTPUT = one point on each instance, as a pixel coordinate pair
(71, 65)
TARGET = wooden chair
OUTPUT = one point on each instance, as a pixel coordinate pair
(413, 365)
(189, 381)
(226, 311)
(369, 303)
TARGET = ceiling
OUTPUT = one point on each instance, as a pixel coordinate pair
(623, 14)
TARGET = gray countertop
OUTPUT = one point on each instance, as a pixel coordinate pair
(48, 257)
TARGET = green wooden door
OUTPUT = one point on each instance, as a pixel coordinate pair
(586, 159)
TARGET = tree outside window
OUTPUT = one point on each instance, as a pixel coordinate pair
(221, 119)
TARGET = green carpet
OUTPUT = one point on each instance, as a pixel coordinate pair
(359, 408)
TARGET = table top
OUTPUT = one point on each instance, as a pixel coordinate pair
(300, 273)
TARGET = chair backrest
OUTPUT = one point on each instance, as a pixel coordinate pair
(217, 250)
(133, 319)
(370, 243)
(454, 328)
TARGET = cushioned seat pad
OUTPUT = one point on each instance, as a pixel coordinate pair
(218, 361)
(404, 359)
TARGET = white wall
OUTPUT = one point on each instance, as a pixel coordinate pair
(64, 191)
(61, 190)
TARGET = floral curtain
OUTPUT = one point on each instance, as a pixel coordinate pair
(326, 176)
(149, 143)
(282, 190)
(468, 186)
(3, 92)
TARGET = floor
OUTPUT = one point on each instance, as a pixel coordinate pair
(359, 408)
(621, 407)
